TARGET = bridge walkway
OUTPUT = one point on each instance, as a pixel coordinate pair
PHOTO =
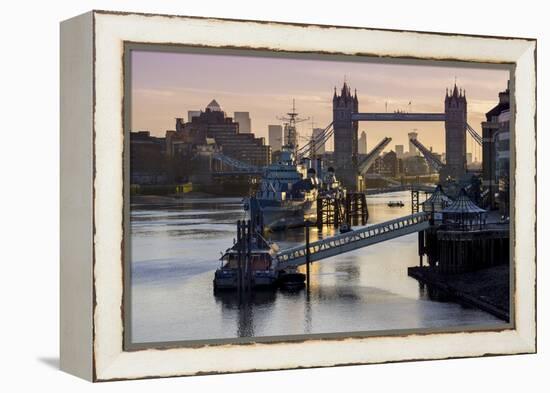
(353, 240)
(404, 187)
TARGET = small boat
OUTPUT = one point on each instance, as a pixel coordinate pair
(345, 227)
(396, 204)
(262, 272)
(290, 278)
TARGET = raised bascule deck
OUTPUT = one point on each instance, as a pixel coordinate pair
(353, 240)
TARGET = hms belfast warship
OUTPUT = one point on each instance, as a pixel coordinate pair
(288, 192)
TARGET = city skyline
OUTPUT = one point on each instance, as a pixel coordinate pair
(168, 85)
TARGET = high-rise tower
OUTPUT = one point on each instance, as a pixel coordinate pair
(362, 149)
(413, 151)
(345, 132)
(455, 134)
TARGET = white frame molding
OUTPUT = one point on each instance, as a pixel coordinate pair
(92, 118)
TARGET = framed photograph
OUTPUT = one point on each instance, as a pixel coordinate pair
(250, 195)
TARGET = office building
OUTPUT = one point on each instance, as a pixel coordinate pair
(275, 137)
(213, 125)
(399, 151)
(413, 151)
(362, 148)
(243, 119)
(191, 114)
(319, 145)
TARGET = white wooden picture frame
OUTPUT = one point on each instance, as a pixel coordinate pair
(92, 195)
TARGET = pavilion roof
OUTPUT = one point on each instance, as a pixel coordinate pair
(438, 198)
(463, 205)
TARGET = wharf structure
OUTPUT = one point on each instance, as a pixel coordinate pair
(467, 251)
(462, 237)
(468, 254)
(455, 236)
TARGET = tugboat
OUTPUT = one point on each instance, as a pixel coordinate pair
(263, 269)
(261, 261)
(252, 262)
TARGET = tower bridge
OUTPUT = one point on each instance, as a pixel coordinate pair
(346, 116)
(344, 128)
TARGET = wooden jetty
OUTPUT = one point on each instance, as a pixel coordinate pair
(334, 211)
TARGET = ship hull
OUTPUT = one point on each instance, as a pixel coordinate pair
(227, 279)
(287, 214)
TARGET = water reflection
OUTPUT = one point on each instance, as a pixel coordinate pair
(244, 305)
(175, 247)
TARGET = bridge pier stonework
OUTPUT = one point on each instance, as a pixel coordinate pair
(455, 135)
(344, 106)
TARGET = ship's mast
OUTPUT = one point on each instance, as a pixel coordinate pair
(291, 135)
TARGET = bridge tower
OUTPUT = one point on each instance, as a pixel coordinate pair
(345, 135)
(455, 135)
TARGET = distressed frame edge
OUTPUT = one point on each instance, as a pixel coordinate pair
(76, 286)
(528, 339)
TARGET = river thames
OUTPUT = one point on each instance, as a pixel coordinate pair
(175, 249)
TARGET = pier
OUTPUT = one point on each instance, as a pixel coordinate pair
(353, 240)
(334, 211)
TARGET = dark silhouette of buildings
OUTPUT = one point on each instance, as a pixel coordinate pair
(147, 159)
(387, 165)
(187, 153)
(496, 152)
(224, 132)
(415, 166)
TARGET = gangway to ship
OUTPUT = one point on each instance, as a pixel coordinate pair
(353, 240)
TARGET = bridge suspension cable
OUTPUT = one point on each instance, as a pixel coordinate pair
(310, 148)
(474, 134)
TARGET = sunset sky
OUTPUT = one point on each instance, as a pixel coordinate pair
(167, 85)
